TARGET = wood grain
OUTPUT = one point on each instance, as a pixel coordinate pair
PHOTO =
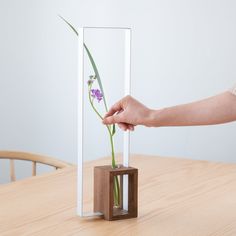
(177, 197)
(104, 194)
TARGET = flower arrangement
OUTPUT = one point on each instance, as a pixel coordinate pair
(97, 96)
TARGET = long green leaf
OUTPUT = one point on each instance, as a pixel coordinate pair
(71, 26)
(113, 129)
(97, 74)
(91, 61)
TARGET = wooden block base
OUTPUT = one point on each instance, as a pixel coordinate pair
(103, 192)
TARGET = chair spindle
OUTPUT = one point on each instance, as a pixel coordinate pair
(12, 170)
(34, 168)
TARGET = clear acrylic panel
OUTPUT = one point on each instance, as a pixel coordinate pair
(104, 78)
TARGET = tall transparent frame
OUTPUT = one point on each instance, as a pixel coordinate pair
(80, 115)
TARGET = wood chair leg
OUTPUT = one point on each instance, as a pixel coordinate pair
(12, 170)
(34, 168)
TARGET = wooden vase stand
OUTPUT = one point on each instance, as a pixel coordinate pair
(104, 196)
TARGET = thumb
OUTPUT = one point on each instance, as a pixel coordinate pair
(112, 119)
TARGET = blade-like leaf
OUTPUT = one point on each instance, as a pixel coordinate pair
(113, 129)
(71, 26)
(91, 61)
(97, 75)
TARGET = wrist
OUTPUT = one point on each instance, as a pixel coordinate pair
(153, 118)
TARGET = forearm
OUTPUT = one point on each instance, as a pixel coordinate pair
(214, 110)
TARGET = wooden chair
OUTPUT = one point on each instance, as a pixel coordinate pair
(34, 158)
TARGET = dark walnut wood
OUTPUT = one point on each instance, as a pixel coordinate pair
(103, 192)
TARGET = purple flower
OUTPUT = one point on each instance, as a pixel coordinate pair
(95, 93)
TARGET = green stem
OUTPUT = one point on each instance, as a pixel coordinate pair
(112, 152)
(91, 102)
(99, 115)
(116, 182)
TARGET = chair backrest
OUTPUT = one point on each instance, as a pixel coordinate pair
(34, 158)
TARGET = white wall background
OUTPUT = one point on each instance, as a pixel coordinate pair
(183, 50)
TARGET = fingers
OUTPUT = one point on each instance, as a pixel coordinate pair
(116, 114)
(125, 126)
(112, 119)
(131, 127)
(117, 107)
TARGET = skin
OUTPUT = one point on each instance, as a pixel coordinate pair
(128, 112)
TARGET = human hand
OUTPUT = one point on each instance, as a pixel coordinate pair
(127, 113)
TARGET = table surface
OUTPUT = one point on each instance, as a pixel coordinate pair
(177, 197)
